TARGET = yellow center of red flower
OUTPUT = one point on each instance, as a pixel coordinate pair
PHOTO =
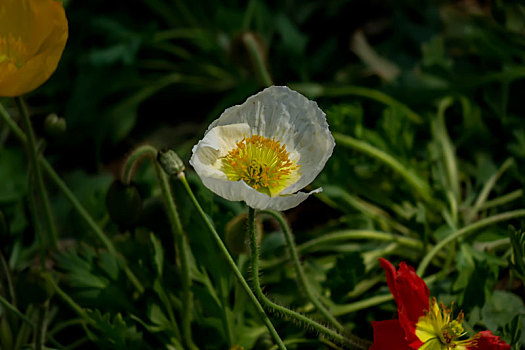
(438, 331)
(262, 163)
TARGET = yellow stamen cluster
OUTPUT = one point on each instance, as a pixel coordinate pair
(262, 163)
(12, 49)
(437, 330)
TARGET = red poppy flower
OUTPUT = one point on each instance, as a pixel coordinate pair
(422, 323)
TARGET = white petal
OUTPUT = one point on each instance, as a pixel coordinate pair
(292, 119)
(240, 191)
(216, 143)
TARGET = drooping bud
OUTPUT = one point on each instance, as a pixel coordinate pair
(170, 162)
(124, 203)
(236, 236)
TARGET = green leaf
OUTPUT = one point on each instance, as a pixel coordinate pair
(346, 273)
(500, 309)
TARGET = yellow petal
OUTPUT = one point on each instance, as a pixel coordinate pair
(33, 34)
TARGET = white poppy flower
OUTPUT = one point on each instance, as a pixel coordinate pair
(265, 150)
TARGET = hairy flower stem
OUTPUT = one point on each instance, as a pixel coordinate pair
(148, 151)
(231, 263)
(50, 172)
(300, 272)
(139, 153)
(279, 309)
(180, 248)
(465, 231)
(51, 240)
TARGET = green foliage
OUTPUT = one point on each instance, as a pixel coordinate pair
(435, 149)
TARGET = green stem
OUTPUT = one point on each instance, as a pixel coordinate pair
(89, 221)
(300, 272)
(231, 263)
(50, 172)
(484, 194)
(39, 181)
(279, 309)
(340, 310)
(7, 305)
(40, 329)
(9, 281)
(504, 199)
(258, 58)
(180, 247)
(421, 187)
(134, 159)
(465, 231)
(68, 300)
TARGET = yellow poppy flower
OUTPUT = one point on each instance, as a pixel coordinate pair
(33, 34)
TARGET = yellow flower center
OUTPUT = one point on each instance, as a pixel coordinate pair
(13, 50)
(438, 331)
(262, 163)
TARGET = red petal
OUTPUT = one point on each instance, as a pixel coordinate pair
(388, 335)
(411, 295)
(488, 341)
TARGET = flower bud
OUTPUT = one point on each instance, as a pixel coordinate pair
(237, 238)
(170, 162)
(124, 203)
(54, 125)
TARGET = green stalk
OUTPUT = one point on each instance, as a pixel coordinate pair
(484, 194)
(40, 330)
(465, 231)
(50, 172)
(504, 199)
(52, 239)
(134, 159)
(300, 272)
(421, 187)
(68, 300)
(180, 247)
(231, 263)
(7, 305)
(281, 310)
(340, 310)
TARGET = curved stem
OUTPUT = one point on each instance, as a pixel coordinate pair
(180, 247)
(52, 239)
(231, 263)
(133, 159)
(464, 232)
(421, 187)
(279, 309)
(300, 272)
